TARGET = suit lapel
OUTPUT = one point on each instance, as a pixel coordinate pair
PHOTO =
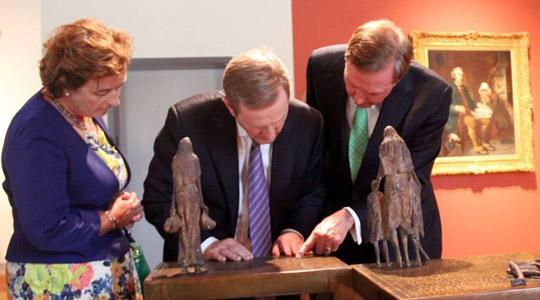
(282, 162)
(222, 146)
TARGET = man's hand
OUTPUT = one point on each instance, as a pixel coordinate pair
(227, 249)
(287, 243)
(329, 234)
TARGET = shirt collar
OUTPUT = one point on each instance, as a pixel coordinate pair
(241, 131)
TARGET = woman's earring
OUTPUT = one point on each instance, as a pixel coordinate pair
(67, 94)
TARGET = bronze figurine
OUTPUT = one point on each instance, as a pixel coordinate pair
(374, 213)
(399, 205)
(522, 270)
(188, 212)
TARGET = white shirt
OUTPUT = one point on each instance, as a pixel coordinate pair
(372, 117)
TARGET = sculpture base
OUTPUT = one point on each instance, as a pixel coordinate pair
(479, 277)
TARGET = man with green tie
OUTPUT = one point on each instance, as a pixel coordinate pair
(361, 88)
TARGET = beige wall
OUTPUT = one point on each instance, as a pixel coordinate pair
(20, 44)
(187, 28)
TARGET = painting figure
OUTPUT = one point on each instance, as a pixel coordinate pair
(188, 212)
(483, 114)
(401, 209)
(461, 122)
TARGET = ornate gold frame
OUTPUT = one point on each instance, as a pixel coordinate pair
(515, 43)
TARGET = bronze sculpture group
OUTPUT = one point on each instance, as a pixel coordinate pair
(188, 213)
(398, 209)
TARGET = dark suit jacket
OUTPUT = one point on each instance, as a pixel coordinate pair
(296, 188)
(417, 108)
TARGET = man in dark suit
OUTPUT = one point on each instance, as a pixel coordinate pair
(255, 109)
(373, 72)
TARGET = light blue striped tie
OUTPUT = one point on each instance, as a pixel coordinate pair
(358, 141)
(259, 206)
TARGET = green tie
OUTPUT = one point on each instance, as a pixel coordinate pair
(358, 140)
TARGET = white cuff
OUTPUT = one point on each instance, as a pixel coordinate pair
(292, 230)
(209, 241)
(356, 230)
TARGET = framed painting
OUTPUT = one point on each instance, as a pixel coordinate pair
(489, 128)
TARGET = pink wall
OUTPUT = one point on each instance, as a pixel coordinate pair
(481, 214)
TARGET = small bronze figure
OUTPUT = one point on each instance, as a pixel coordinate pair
(375, 218)
(188, 212)
(522, 270)
(401, 207)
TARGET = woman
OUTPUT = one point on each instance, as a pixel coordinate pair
(65, 177)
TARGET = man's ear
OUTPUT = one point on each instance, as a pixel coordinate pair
(229, 107)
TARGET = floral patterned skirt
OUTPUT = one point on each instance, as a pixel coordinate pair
(104, 279)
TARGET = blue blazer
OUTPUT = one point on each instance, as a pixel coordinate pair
(55, 185)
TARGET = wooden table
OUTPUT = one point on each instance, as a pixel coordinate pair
(258, 277)
(480, 277)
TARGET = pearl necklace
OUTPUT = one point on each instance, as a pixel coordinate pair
(67, 114)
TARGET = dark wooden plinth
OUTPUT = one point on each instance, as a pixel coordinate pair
(480, 277)
(259, 277)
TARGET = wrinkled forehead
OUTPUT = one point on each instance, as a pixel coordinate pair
(372, 80)
(270, 115)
